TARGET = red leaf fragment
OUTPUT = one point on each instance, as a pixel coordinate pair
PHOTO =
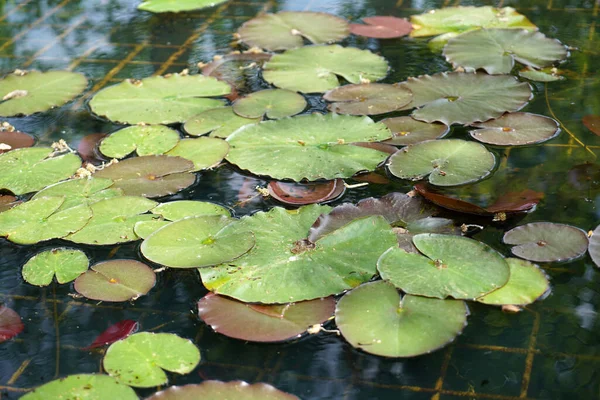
(297, 194)
(88, 148)
(115, 332)
(592, 122)
(14, 140)
(381, 27)
(10, 324)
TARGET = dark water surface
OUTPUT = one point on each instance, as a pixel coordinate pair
(551, 350)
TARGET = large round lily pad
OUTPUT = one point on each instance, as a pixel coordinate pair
(450, 265)
(376, 319)
(236, 390)
(66, 264)
(80, 191)
(220, 122)
(10, 323)
(34, 91)
(448, 162)
(284, 267)
(308, 147)
(463, 98)
(274, 103)
(82, 387)
(140, 359)
(382, 27)
(288, 29)
(315, 69)
(204, 152)
(144, 140)
(158, 99)
(161, 6)
(408, 130)
(515, 129)
(547, 241)
(367, 98)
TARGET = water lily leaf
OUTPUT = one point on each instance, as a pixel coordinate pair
(66, 264)
(496, 50)
(159, 99)
(547, 241)
(526, 284)
(594, 246)
(116, 280)
(549, 74)
(516, 129)
(204, 152)
(82, 387)
(31, 169)
(88, 148)
(298, 194)
(463, 98)
(140, 359)
(367, 98)
(197, 242)
(451, 265)
(263, 323)
(113, 220)
(284, 267)
(274, 103)
(10, 324)
(150, 176)
(308, 147)
(382, 27)
(161, 6)
(40, 219)
(115, 332)
(143, 139)
(288, 29)
(7, 202)
(448, 162)
(376, 319)
(80, 191)
(143, 229)
(408, 130)
(34, 91)
(221, 122)
(223, 390)
(11, 139)
(315, 69)
(592, 122)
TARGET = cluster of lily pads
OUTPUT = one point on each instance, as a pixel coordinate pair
(275, 275)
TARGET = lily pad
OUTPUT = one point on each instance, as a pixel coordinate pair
(88, 148)
(159, 99)
(594, 246)
(140, 359)
(448, 162)
(451, 265)
(7, 202)
(116, 280)
(382, 27)
(66, 264)
(11, 139)
(263, 323)
(526, 284)
(516, 129)
(237, 390)
(496, 50)
(220, 122)
(144, 140)
(367, 98)
(204, 152)
(10, 324)
(592, 122)
(31, 169)
(29, 92)
(315, 69)
(298, 194)
(284, 267)
(161, 6)
(308, 147)
(115, 332)
(463, 98)
(288, 29)
(273, 103)
(82, 387)
(80, 191)
(547, 241)
(408, 130)
(376, 319)
(549, 74)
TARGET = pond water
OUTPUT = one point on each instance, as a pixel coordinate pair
(551, 350)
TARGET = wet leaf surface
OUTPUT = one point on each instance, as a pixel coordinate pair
(298, 194)
(66, 264)
(237, 390)
(408, 130)
(544, 75)
(82, 387)
(80, 191)
(382, 27)
(144, 140)
(161, 6)
(516, 129)
(592, 122)
(220, 122)
(204, 152)
(367, 98)
(10, 324)
(272, 103)
(115, 332)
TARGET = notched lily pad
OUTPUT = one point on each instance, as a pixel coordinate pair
(10, 324)
(223, 390)
(367, 98)
(204, 152)
(66, 264)
(82, 387)
(408, 130)
(273, 103)
(382, 27)
(516, 129)
(161, 6)
(143, 139)
(298, 194)
(220, 122)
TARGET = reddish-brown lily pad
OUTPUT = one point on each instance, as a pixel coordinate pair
(237, 390)
(367, 98)
(382, 27)
(115, 332)
(88, 148)
(592, 122)
(14, 140)
(297, 194)
(7, 202)
(10, 324)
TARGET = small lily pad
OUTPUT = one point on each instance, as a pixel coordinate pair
(367, 98)
(382, 27)
(237, 390)
(376, 319)
(82, 387)
(592, 122)
(80, 191)
(220, 122)
(549, 74)
(140, 359)
(66, 264)
(143, 139)
(516, 129)
(204, 152)
(298, 194)
(547, 241)
(274, 103)
(10, 324)
(116, 280)
(161, 6)
(10, 140)
(408, 130)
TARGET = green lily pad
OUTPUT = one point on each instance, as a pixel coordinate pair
(66, 264)
(34, 91)
(408, 130)
(315, 69)
(451, 265)
(308, 147)
(448, 162)
(496, 50)
(376, 319)
(463, 98)
(116, 280)
(150, 176)
(144, 140)
(288, 29)
(367, 98)
(594, 246)
(516, 129)
(40, 219)
(80, 191)
(159, 99)
(161, 6)
(284, 267)
(546, 241)
(82, 387)
(220, 122)
(545, 75)
(143, 229)
(204, 152)
(526, 284)
(139, 360)
(274, 103)
(31, 169)
(237, 390)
